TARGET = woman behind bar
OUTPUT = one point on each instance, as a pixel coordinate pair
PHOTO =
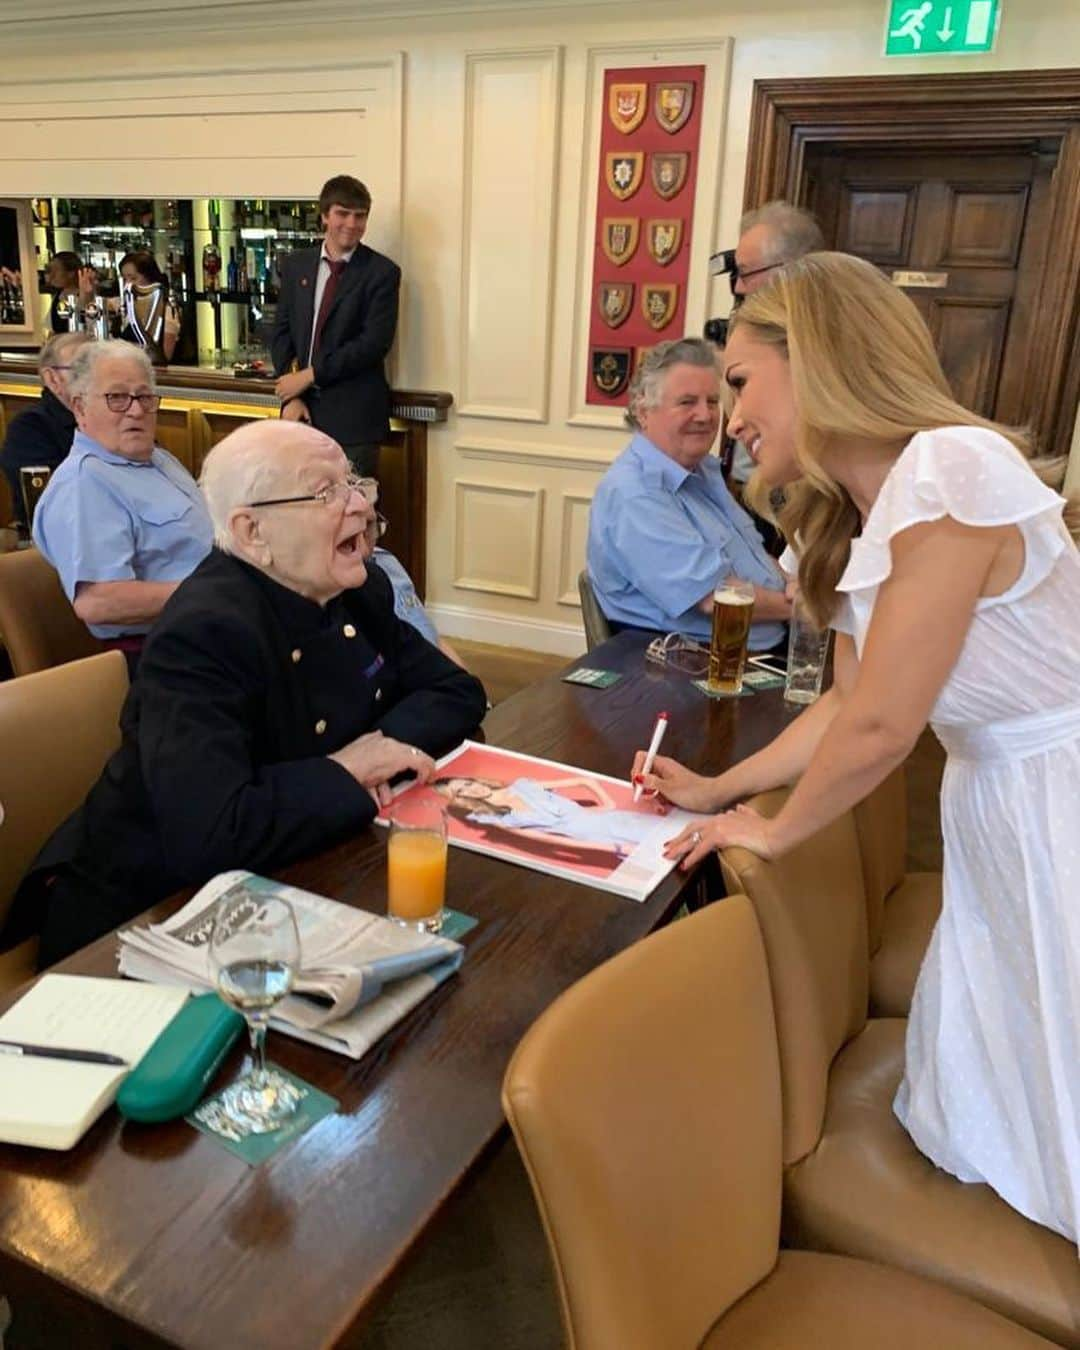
(929, 543)
(140, 268)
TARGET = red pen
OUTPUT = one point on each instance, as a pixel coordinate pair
(654, 746)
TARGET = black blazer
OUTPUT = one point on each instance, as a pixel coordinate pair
(350, 400)
(243, 690)
(40, 435)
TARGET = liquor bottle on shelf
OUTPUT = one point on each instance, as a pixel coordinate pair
(127, 213)
(242, 283)
(230, 271)
(75, 214)
(211, 266)
(62, 216)
(213, 213)
(259, 216)
(43, 211)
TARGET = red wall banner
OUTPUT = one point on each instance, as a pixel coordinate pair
(644, 213)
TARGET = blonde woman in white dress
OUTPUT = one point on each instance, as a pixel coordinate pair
(931, 545)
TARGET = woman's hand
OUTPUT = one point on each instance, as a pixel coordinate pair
(676, 784)
(743, 827)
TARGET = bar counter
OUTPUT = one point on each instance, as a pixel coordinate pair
(201, 405)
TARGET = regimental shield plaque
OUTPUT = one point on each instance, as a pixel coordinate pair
(673, 104)
(669, 172)
(619, 238)
(611, 369)
(614, 301)
(639, 355)
(624, 170)
(626, 105)
(664, 239)
(658, 303)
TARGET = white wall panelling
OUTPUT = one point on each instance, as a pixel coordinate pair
(573, 538)
(497, 539)
(511, 131)
(538, 454)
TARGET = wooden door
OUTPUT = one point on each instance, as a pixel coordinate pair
(964, 232)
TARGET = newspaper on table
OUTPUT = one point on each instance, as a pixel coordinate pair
(359, 972)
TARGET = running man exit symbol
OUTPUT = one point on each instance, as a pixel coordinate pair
(932, 27)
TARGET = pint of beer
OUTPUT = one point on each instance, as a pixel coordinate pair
(733, 603)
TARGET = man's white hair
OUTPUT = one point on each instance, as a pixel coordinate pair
(793, 232)
(85, 362)
(247, 466)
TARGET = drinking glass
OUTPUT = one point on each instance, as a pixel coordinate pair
(254, 956)
(416, 864)
(808, 648)
(733, 604)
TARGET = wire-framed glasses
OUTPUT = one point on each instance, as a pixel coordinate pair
(368, 488)
(678, 653)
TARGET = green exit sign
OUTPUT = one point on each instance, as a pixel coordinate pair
(932, 27)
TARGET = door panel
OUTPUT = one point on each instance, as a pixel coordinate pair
(964, 232)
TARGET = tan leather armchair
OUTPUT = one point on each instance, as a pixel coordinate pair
(58, 729)
(37, 623)
(646, 1106)
(854, 1182)
(902, 907)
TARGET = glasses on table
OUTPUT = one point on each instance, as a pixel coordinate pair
(368, 488)
(678, 653)
(120, 403)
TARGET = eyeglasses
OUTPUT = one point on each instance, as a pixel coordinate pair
(368, 488)
(678, 652)
(742, 274)
(120, 403)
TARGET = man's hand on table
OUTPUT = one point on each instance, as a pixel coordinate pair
(374, 759)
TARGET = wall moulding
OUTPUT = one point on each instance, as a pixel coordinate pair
(509, 194)
(497, 538)
(572, 540)
(539, 455)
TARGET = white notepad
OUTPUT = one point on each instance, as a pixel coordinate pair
(52, 1102)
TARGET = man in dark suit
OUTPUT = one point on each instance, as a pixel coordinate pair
(336, 317)
(43, 434)
(277, 696)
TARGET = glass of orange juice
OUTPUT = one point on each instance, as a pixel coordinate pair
(416, 864)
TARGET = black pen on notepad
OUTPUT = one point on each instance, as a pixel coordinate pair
(56, 1052)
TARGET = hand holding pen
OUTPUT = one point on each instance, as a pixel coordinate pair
(650, 754)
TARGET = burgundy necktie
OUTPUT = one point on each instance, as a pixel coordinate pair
(329, 290)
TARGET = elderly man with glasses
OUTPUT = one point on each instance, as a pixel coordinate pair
(122, 521)
(41, 435)
(277, 696)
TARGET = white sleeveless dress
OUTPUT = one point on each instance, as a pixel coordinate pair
(991, 1090)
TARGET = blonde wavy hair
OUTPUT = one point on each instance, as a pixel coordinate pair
(863, 366)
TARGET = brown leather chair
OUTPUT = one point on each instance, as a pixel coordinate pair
(646, 1106)
(854, 1182)
(57, 729)
(597, 628)
(902, 907)
(37, 623)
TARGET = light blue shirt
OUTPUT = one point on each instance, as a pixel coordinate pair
(544, 809)
(407, 604)
(107, 518)
(661, 537)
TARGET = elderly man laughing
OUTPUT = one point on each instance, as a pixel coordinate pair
(278, 695)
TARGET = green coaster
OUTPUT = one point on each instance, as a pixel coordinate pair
(455, 924)
(715, 693)
(256, 1148)
(763, 679)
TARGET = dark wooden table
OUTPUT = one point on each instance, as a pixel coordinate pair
(155, 1235)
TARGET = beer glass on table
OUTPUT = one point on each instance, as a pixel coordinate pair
(733, 604)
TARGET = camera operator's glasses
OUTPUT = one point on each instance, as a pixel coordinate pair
(120, 403)
(678, 653)
(743, 274)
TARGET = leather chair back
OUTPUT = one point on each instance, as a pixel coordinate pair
(811, 906)
(646, 1106)
(881, 823)
(57, 729)
(37, 623)
(597, 628)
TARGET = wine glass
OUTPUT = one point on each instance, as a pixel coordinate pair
(254, 955)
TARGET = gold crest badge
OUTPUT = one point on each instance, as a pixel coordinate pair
(626, 106)
(639, 356)
(619, 238)
(611, 369)
(659, 300)
(668, 173)
(664, 239)
(673, 104)
(614, 301)
(624, 170)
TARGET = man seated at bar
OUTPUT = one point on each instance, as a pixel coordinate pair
(122, 521)
(664, 530)
(277, 696)
(42, 434)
